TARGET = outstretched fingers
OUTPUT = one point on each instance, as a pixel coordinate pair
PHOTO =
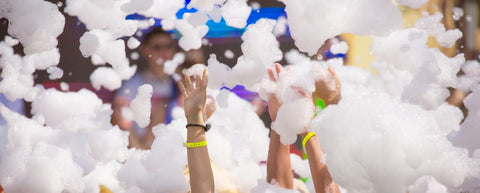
(182, 89)
(204, 78)
(270, 73)
(278, 69)
(188, 83)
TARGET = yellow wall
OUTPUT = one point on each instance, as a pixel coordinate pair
(359, 46)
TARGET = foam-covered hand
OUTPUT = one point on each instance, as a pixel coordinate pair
(327, 94)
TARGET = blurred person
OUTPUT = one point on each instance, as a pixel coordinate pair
(157, 47)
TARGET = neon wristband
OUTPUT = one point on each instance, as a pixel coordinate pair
(309, 135)
(195, 144)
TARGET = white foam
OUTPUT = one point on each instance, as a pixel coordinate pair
(433, 25)
(141, 105)
(373, 17)
(105, 77)
(170, 66)
(236, 13)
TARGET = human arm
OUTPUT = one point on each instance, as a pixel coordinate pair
(322, 180)
(278, 160)
(321, 177)
(201, 175)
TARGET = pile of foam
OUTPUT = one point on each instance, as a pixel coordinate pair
(368, 134)
(36, 24)
(412, 71)
(70, 144)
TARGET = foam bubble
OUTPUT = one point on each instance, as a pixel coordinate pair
(236, 13)
(105, 77)
(141, 105)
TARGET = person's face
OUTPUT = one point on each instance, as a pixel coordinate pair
(157, 50)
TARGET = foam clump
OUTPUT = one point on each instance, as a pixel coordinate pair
(50, 163)
(103, 44)
(195, 70)
(300, 166)
(141, 105)
(240, 141)
(65, 153)
(280, 26)
(234, 129)
(102, 15)
(192, 31)
(471, 78)
(132, 43)
(290, 88)
(457, 13)
(339, 47)
(260, 50)
(415, 4)
(427, 184)
(105, 77)
(54, 73)
(170, 66)
(229, 54)
(143, 170)
(36, 24)
(219, 73)
(106, 23)
(433, 25)
(469, 133)
(17, 79)
(51, 105)
(236, 13)
(413, 71)
(372, 17)
(412, 142)
(292, 119)
(162, 9)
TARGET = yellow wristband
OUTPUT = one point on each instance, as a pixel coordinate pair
(195, 144)
(309, 135)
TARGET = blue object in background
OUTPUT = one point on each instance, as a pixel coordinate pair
(221, 29)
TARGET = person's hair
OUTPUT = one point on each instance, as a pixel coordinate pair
(153, 32)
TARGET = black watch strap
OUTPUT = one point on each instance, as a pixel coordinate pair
(205, 127)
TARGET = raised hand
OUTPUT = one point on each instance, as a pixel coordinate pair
(195, 97)
(325, 93)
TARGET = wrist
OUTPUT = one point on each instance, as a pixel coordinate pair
(333, 100)
(195, 118)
